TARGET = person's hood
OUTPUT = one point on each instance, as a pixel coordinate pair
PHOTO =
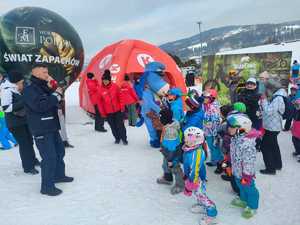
(280, 92)
(154, 67)
(5, 84)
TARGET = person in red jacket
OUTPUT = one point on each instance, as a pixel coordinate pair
(129, 99)
(93, 87)
(111, 106)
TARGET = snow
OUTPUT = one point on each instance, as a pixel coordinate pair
(115, 185)
(234, 32)
(200, 45)
(289, 46)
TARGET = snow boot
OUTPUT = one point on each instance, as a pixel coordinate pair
(226, 177)
(33, 171)
(52, 192)
(166, 179)
(219, 168)
(248, 213)
(237, 202)
(207, 220)
(64, 179)
(179, 182)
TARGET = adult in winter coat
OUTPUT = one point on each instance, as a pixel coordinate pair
(190, 79)
(129, 99)
(292, 97)
(93, 87)
(250, 97)
(111, 107)
(41, 103)
(295, 71)
(13, 105)
(273, 110)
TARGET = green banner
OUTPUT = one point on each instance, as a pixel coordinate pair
(219, 70)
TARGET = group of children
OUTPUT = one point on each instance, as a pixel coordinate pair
(224, 135)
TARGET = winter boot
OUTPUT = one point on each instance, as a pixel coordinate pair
(207, 220)
(179, 182)
(237, 202)
(226, 177)
(166, 179)
(33, 171)
(219, 168)
(248, 213)
(52, 192)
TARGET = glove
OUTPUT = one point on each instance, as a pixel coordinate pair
(246, 180)
(53, 84)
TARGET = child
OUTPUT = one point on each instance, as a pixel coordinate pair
(211, 122)
(176, 105)
(170, 142)
(193, 160)
(5, 136)
(243, 158)
(296, 130)
(129, 99)
(195, 114)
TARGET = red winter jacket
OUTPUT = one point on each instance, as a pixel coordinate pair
(93, 87)
(128, 94)
(110, 99)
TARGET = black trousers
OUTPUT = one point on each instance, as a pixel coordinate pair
(99, 121)
(116, 123)
(270, 150)
(26, 150)
(296, 142)
(52, 151)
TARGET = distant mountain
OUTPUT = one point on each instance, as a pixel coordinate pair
(233, 37)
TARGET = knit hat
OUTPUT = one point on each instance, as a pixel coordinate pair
(166, 116)
(106, 75)
(90, 75)
(240, 107)
(15, 76)
(251, 80)
(2, 114)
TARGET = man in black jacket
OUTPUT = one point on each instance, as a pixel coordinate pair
(42, 113)
(13, 105)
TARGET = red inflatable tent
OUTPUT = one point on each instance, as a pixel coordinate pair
(128, 57)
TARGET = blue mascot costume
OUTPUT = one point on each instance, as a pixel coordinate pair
(151, 83)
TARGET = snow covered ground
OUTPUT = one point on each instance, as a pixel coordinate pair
(115, 185)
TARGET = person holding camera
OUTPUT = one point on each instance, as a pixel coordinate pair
(42, 97)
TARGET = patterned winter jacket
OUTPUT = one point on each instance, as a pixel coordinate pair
(212, 118)
(273, 111)
(243, 154)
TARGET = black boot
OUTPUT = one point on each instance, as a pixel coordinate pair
(226, 177)
(268, 172)
(68, 145)
(219, 168)
(64, 179)
(33, 171)
(101, 129)
(51, 192)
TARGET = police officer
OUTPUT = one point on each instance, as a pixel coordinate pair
(41, 103)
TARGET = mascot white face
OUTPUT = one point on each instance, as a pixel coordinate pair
(154, 78)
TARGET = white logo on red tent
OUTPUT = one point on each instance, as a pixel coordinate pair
(143, 59)
(115, 68)
(105, 61)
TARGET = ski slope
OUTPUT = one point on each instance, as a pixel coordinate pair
(115, 185)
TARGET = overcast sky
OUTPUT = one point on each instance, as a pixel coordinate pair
(102, 22)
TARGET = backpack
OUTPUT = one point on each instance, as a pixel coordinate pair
(288, 107)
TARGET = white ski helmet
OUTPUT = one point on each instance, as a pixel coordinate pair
(240, 121)
(193, 136)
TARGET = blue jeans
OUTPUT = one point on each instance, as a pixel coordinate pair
(215, 152)
(248, 194)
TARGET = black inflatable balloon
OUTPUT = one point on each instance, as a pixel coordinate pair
(31, 35)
